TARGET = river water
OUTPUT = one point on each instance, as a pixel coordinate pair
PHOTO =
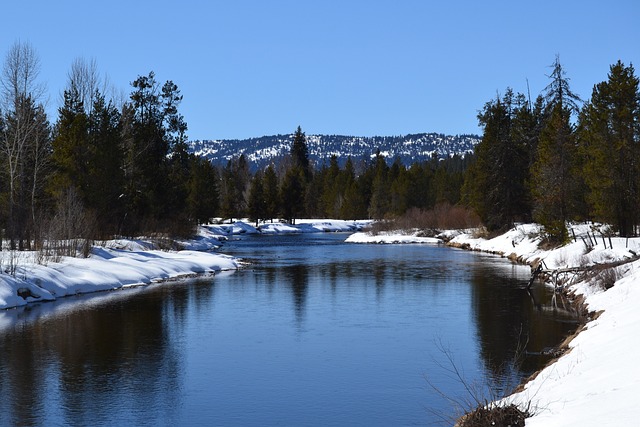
(313, 332)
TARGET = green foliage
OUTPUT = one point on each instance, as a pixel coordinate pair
(555, 232)
(270, 191)
(104, 166)
(202, 199)
(257, 205)
(71, 146)
(234, 183)
(292, 194)
(609, 136)
(131, 172)
(552, 173)
(299, 151)
(556, 177)
(533, 157)
(496, 184)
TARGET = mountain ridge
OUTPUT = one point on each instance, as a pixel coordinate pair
(261, 151)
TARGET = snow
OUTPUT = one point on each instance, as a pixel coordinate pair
(301, 226)
(120, 263)
(117, 264)
(597, 382)
(390, 237)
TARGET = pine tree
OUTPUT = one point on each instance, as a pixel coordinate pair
(146, 156)
(292, 194)
(331, 197)
(270, 191)
(495, 185)
(156, 163)
(203, 194)
(299, 151)
(552, 174)
(609, 135)
(106, 177)
(555, 188)
(399, 189)
(379, 202)
(71, 147)
(257, 206)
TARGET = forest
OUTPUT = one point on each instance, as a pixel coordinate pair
(559, 158)
(110, 166)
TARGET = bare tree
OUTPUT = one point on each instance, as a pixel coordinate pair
(19, 76)
(85, 78)
(20, 95)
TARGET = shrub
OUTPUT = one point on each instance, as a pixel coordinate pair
(496, 415)
(443, 216)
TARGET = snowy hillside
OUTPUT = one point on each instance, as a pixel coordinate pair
(408, 148)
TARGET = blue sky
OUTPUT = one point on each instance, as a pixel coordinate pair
(253, 68)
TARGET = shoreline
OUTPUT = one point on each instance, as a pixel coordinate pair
(124, 263)
(594, 380)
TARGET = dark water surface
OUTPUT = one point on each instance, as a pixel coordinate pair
(313, 332)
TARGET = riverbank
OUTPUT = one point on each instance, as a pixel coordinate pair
(596, 381)
(30, 277)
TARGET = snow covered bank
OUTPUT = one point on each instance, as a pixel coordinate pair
(597, 382)
(301, 226)
(123, 262)
(119, 264)
(390, 237)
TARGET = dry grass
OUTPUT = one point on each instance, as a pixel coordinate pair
(443, 216)
(508, 415)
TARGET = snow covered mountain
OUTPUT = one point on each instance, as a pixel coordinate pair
(259, 152)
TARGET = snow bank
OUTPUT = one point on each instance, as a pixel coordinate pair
(597, 382)
(522, 243)
(313, 226)
(301, 226)
(124, 262)
(389, 237)
(120, 265)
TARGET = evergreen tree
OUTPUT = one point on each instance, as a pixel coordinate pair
(331, 195)
(495, 185)
(379, 202)
(353, 199)
(420, 194)
(106, 177)
(257, 206)
(202, 198)
(156, 164)
(552, 174)
(299, 151)
(609, 134)
(292, 194)
(399, 189)
(555, 188)
(71, 147)
(270, 191)
(27, 195)
(146, 156)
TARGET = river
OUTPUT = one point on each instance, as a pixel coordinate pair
(313, 331)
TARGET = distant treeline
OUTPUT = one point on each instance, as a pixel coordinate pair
(296, 188)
